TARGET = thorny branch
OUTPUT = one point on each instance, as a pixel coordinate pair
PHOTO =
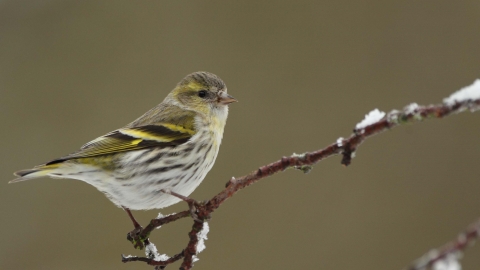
(345, 147)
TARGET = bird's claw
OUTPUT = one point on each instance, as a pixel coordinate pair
(195, 207)
(134, 237)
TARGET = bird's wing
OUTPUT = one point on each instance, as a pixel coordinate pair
(133, 138)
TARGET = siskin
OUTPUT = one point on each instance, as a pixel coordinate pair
(171, 147)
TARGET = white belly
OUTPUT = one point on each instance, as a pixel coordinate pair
(138, 184)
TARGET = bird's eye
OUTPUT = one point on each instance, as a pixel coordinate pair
(202, 93)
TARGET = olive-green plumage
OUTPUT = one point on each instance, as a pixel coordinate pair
(172, 146)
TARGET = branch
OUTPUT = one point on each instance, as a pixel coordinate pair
(374, 123)
(151, 261)
(452, 249)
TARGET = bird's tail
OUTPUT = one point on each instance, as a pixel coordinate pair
(39, 171)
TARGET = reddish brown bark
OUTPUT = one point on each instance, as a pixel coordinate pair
(303, 162)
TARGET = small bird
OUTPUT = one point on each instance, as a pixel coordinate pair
(171, 147)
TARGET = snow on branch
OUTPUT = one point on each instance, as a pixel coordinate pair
(374, 123)
(370, 118)
(447, 256)
(471, 92)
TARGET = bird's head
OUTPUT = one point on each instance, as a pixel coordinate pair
(203, 92)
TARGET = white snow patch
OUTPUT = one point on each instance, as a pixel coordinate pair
(410, 108)
(468, 92)
(160, 215)
(152, 252)
(448, 263)
(392, 116)
(202, 236)
(340, 142)
(371, 118)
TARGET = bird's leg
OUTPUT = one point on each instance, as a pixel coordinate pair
(135, 223)
(193, 205)
(133, 235)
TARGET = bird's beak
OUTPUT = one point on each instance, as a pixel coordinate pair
(225, 99)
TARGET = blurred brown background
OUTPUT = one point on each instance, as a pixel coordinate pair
(305, 73)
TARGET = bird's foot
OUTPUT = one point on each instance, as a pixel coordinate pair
(135, 238)
(134, 235)
(197, 209)
(138, 239)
